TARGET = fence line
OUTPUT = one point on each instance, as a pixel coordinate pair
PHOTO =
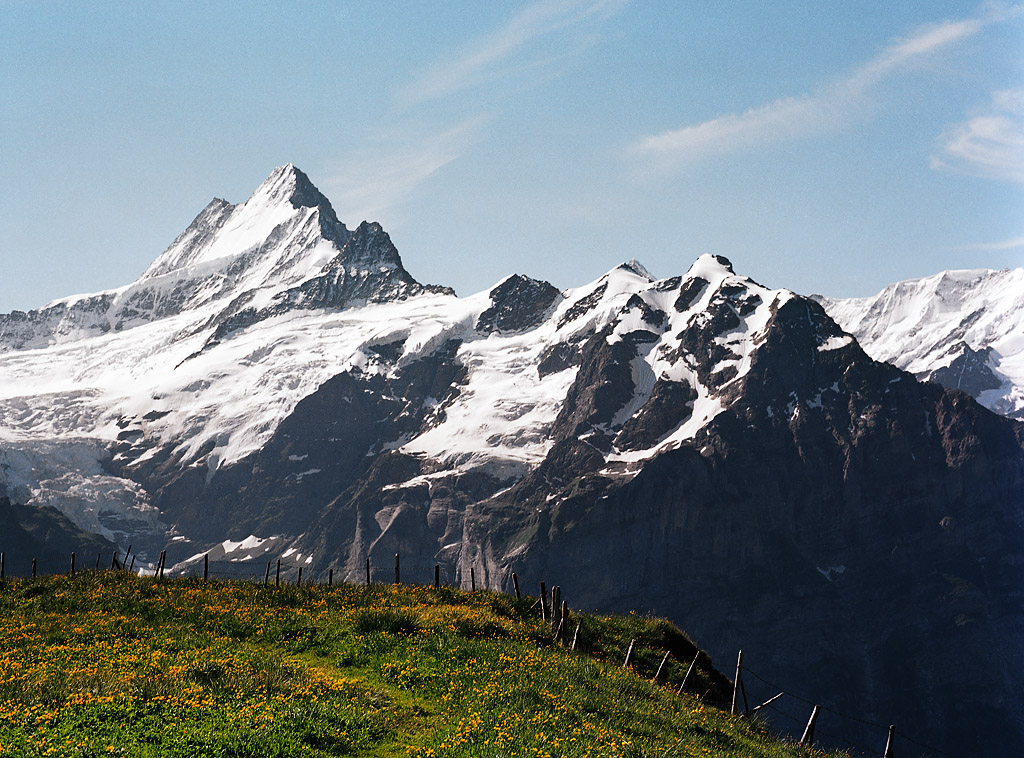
(556, 615)
(850, 717)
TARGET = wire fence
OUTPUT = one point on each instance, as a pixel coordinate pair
(842, 741)
(414, 573)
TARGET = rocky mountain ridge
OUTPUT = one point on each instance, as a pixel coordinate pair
(699, 446)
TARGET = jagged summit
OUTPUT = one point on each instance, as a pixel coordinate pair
(283, 248)
(223, 232)
(637, 268)
(368, 247)
(288, 183)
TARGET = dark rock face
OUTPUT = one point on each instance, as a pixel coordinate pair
(367, 269)
(668, 406)
(652, 316)
(558, 357)
(689, 293)
(603, 385)
(842, 523)
(331, 440)
(518, 303)
(305, 195)
(969, 371)
(583, 305)
(43, 533)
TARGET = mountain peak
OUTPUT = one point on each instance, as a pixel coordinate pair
(637, 268)
(369, 247)
(224, 232)
(288, 183)
(708, 266)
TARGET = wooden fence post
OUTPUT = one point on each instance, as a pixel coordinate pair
(330, 577)
(72, 563)
(472, 579)
(298, 582)
(277, 576)
(33, 568)
(163, 562)
(563, 621)
(629, 653)
(736, 682)
(98, 555)
(515, 584)
(661, 666)
(130, 568)
(1, 566)
(367, 571)
(689, 673)
(576, 634)
(765, 704)
(398, 575)
(206, 567)
(124, 565)
(808, 736)
(543, 602)
(889, 742)
(437, 576)
(266, 576)
(556, 605)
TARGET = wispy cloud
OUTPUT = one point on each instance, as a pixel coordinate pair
(491, 55)
(375, 180)
(994, 247)
(793, 117)
(990, 145)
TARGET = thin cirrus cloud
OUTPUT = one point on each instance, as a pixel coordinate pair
(1009, 244)
(790, 118)
(495, 53)
(990, 145)
(375, 180)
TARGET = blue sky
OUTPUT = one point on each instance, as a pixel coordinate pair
(828, 147)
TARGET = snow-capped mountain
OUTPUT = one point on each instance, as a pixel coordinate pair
(699, 446)
(962, 329)
(283, 247)
(86, 371)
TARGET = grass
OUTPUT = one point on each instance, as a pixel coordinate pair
(104, 664)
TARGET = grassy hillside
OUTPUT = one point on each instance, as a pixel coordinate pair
(109, 664)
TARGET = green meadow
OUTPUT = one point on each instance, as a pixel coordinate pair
(107, 664)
